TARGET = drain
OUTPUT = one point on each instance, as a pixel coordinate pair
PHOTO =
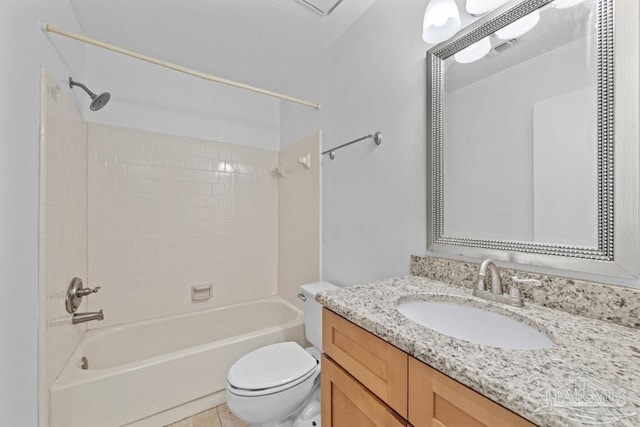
(84, 363)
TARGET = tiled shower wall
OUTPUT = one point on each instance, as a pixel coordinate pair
(299, 226)
(167, 213)
(63, 228)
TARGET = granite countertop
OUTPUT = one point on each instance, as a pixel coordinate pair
(590, 377)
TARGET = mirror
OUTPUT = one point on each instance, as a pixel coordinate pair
(519, 132)
(521, 135)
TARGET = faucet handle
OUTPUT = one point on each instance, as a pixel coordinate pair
(87, 291)
(531, 282)
(514, 289)
(515, 296)
(514, 292)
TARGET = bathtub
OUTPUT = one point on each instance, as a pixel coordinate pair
(155, 372)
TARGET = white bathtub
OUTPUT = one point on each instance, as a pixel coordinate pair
(155, 372)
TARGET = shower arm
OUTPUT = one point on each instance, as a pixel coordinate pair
(86, 89)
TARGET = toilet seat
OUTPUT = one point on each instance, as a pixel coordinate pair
(264, 392)
(271, 369)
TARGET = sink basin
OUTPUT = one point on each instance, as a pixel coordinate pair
(475, 325)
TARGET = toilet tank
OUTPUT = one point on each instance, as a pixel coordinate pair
(313, 311)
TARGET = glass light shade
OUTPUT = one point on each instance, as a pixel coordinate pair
(441, 21)
(480, 7)
(563, 4)
(474, 52)
(519, 27)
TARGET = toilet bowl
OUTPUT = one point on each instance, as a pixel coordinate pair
(271, 383)
(278, 385)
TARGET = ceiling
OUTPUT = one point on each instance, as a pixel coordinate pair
(257, 42)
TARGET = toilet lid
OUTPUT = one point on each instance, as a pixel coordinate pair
(271, 366)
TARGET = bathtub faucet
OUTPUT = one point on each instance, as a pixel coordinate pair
(87, 317)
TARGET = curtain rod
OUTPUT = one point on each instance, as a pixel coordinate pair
(51, 29)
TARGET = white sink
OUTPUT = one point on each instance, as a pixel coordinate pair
(475, 325)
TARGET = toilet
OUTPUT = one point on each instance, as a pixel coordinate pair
(279, 385)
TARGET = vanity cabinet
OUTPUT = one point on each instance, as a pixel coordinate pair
(376, 364)
(435, 400)
(347, 403)
(368, 382)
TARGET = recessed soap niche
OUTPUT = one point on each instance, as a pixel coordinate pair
(201, 292)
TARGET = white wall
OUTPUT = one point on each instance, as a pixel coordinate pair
(374, 198)
(23, 49)
(148, 97)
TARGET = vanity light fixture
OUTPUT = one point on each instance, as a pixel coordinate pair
(481, 7)
(564, 4)
(474, 52)
(441, 21)
(519, 27)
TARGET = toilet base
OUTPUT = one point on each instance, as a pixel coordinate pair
(308, 416)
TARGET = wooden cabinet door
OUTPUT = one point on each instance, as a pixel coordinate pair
(347, 403)
(436, 400)
(379, 366)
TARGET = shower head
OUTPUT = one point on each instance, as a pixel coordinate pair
(97, 101)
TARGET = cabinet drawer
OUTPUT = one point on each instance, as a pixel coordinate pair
(379, 366)
(436, 400)
(347, 403)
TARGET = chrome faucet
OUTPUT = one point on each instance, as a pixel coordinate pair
(87, 317)
(513, 297)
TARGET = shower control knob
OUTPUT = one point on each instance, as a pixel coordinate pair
(74, 295)
(87, 291)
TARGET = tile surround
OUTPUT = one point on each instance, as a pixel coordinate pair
(63, 229)
(613, 304)
(168, 212)
(299, 218)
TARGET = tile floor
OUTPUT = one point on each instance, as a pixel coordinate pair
(219, 416)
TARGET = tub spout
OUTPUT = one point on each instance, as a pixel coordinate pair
(87, 317)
